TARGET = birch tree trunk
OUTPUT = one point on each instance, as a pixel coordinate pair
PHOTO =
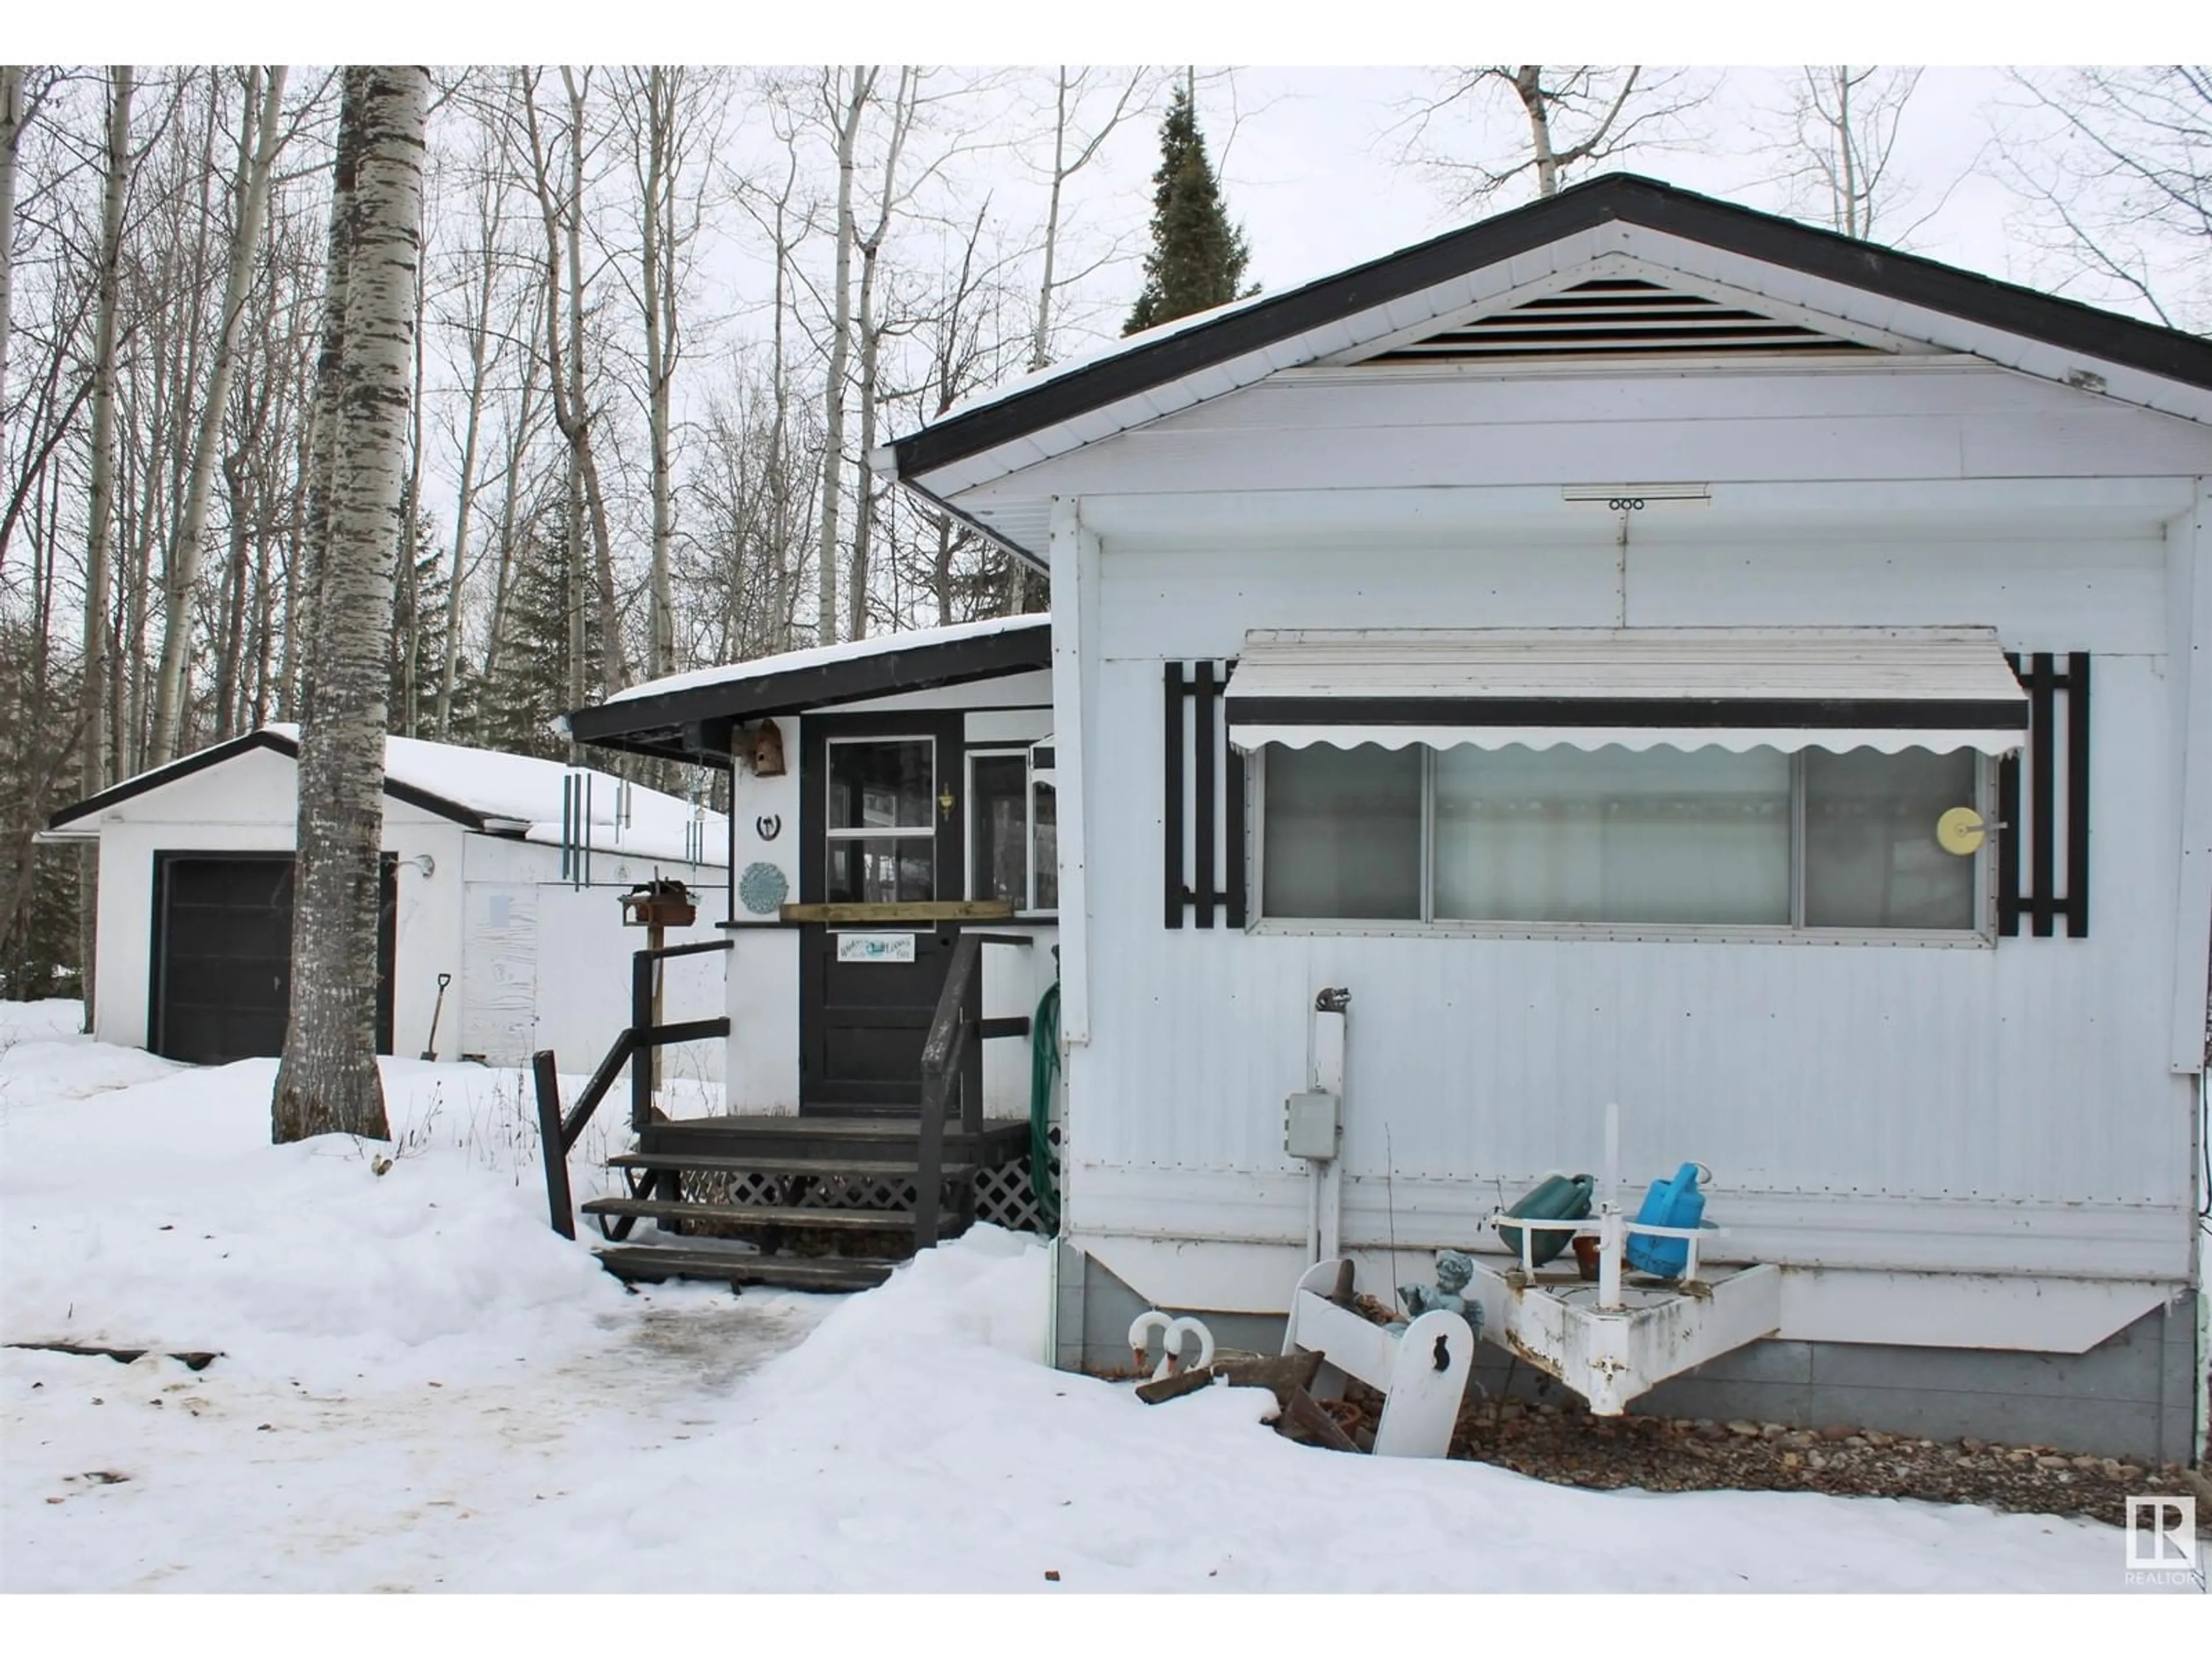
(613, 674)
(657, 293)
(307, 617)
(11, 134)
(327, 1081)
(841, 328)
(478, 324)
(872, 337)
(257, 159)
(1067, 95)
(101, 506)
(405, 573)
(1528, 83)
(571, 409)
(518, 450)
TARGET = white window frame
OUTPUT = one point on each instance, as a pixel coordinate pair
(831, 834)
(1029, 906)
(1982, 936)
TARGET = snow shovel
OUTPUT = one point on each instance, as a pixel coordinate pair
(437, 1008)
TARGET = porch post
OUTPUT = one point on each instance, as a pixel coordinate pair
(2188, 614)
(1074, 626)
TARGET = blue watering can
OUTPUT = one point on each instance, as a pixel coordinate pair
(1676, 1203)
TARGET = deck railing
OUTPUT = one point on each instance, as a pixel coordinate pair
(944, 1054)
(634, 1046)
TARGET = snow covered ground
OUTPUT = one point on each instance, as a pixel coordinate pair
(421, 1387)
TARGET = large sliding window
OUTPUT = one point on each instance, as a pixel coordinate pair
(1618, 838)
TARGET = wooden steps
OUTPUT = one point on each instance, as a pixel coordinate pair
(780, 1158)
(761, 1215)
(653, 1264)
(764, 1164)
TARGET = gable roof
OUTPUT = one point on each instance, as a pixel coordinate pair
(481, 789)
(1235, 345)
(690, 716)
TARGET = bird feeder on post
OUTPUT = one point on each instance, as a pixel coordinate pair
(656, 906)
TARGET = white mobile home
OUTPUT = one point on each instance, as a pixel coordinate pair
(501, 921)
(1643, 651)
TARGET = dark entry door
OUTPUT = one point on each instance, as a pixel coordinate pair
(881, 819)
(223, 955)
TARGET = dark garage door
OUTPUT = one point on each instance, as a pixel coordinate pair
(223, 955)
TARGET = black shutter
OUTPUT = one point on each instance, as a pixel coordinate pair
(2043, 825)
(1203, 803)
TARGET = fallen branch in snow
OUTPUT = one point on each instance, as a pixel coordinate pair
(1287, 1375)
(1305, 1412)
(196, 1359)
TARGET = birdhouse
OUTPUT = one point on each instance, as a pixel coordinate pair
(764, 752)
(658, 903)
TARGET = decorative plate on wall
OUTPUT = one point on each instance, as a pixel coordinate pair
(762, 889)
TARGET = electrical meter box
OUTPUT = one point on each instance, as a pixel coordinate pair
(1310, 1122)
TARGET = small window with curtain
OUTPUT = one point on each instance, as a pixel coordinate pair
(1757, 841)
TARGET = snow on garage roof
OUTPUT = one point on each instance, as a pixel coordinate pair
(484, 789)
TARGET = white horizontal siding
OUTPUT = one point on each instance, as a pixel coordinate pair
(1837, 1081)
(2116, 443)
(2092, 593)
(1504, 394)
(1334, 431)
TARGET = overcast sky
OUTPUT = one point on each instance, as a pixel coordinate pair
(1313, 170)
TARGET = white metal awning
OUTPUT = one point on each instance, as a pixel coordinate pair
(1640, 688)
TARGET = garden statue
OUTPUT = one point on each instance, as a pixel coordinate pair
(1454, 1272)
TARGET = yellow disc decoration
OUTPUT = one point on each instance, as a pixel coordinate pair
(1960, 830)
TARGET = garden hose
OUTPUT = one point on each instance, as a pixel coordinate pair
(1044, 1065)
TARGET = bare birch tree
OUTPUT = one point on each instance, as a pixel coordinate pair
(1836, 145)
(2117, 167)
(101, 507)
(560, 208)
(15, 116)
(260, 139)
(844, 104)
(667, 115)
(476, 325)
(327, 1081)
(1570, 116)
(786, 222)
(1074, 149)
(870, 329)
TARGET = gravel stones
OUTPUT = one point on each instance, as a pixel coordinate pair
(1564, 1443)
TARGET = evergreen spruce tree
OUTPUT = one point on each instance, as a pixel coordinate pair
(517, 707)
(426, 592)
(1198, 257)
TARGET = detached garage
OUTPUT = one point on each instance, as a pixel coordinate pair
(501, 923)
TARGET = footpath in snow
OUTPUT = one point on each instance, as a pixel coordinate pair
(421, 1387)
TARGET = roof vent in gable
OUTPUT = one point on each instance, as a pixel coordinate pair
(1619, 317)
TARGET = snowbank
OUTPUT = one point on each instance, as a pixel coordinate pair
(422, 1387)
(160, 1216)
(22, 1021)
